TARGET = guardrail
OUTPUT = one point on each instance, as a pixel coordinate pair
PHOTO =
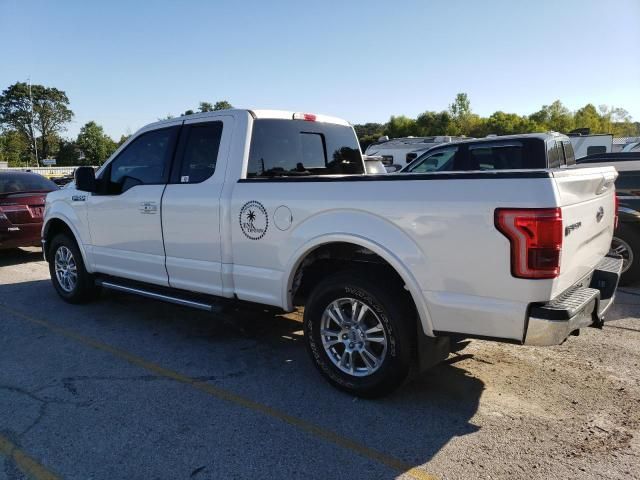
(46, 171)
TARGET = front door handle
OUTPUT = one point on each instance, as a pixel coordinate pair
(148, 207)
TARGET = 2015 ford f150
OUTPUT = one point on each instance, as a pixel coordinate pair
(274, 208)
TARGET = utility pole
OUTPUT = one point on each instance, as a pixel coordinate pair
(35, 139)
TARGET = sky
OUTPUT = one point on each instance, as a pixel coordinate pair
(124, 64)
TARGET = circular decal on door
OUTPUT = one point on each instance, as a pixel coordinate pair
(254, 220)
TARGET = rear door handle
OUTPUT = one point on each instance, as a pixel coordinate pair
(148, 207)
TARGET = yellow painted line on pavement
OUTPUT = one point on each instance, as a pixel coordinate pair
(24, 462)
(315, 430)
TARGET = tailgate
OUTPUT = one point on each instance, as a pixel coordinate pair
(587, 199)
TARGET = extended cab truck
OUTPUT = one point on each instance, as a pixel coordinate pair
(274, 208)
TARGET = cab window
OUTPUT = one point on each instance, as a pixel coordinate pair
(145, 161)
(199, 145)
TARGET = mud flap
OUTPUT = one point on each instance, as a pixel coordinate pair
(431, 350)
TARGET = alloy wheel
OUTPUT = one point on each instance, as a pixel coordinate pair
(353, 337)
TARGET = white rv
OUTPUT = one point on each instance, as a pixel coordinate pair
(400, 151)
(590, 144)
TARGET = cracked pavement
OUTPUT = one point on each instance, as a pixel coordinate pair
(494, 411)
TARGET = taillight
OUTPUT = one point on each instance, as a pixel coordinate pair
(536, 236)
(617, 208)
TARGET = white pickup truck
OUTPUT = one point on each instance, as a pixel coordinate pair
(274, 208)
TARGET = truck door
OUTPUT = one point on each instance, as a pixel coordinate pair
(124, 217)
(191, 205)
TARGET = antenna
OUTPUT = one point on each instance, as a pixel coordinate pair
(33, 130)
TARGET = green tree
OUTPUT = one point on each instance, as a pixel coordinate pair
(465, 122)
(94, 144)
(222, 105)
(554, 117)
(206, 107)
(51, 113)
(501, 123)
(461, 105)
(368, 133)
(401, 126)
(13, 149)
(434, 123)
(68, 153)
(588, 117)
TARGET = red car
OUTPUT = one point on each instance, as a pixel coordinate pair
(22, 196)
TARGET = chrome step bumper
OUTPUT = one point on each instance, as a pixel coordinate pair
(580, 306)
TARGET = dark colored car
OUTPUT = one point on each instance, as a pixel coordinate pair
(62, 181)
(22, 196)
(507, 152)
(626, 240)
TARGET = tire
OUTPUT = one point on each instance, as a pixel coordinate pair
(65, 256)
(626, 242)
(352, 357)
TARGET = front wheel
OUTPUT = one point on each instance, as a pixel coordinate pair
(68, 274)
(358, 333)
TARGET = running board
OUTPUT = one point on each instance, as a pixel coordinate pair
(154, 295)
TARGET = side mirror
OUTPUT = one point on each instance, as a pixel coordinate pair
(85, 178)
(392, 168)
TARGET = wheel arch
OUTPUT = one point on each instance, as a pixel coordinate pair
(307, 251)
(56, 225)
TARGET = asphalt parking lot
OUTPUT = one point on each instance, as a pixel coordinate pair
(131, 388)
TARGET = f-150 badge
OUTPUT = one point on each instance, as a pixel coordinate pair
(254, 221)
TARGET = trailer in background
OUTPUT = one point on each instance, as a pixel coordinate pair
(585, 143)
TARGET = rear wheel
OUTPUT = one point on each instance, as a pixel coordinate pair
(358, 333)
(626, 242)
(68, 274)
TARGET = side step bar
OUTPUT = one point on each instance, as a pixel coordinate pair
(143, 292)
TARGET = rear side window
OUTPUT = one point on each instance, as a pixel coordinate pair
(25, 182)
(554, 155)
(569, 155)
(199, 146)
(497, 156)
(594, 149)
(286, 148)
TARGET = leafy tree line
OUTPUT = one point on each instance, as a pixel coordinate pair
(459, 120)
(34, 119)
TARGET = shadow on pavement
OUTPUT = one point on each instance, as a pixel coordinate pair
(412, 424)
(261, 356)
(17, 256)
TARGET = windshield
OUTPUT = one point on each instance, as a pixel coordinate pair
(25, 182)
(286, 148)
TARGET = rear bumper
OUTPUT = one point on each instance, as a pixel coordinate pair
(583, 305)
(22, 235)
